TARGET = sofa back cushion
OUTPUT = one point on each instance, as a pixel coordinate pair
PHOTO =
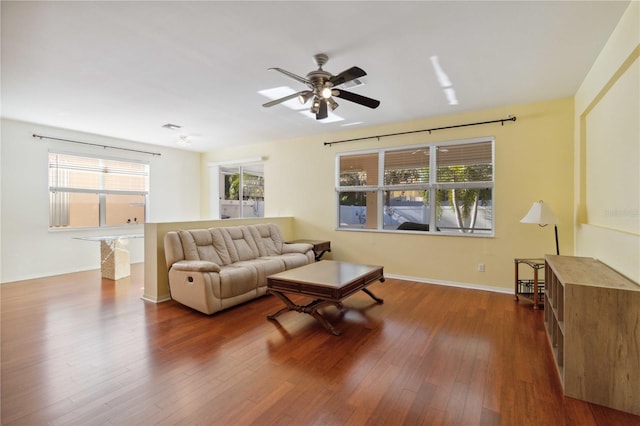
(200, 244)
(173, 248)
(268, 239)
(220, 245)
(224, 245)
(240, 244)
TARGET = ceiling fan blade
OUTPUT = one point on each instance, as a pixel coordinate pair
(322, 112)
(292, 75)
(347, 75)
(286, 98)
(359, 99)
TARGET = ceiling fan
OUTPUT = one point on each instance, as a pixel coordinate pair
(323, 87)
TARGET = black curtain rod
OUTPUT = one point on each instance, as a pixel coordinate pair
(502, 120)
(95, 144)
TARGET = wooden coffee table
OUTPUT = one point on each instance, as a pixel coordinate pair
(328, 282)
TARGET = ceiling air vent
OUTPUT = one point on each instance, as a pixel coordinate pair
(171, 126)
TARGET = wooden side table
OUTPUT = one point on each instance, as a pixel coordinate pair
(320, 247)
(530, 289)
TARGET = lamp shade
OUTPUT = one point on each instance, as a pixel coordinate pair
(540, 214)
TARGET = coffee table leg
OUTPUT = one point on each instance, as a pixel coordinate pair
(281, 311)
(311, 309)
(326, 324)
(290, 305)
(373, 296)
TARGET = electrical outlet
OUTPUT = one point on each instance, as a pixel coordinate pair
(480, 267)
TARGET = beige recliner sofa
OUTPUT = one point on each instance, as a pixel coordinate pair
(216, 268)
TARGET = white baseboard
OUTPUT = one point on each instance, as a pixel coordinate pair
(452, 284)
(159, 300)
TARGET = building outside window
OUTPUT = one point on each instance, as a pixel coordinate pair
(91, 191)
(444, 188)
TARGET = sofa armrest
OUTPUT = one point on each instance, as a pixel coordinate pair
(296, 248)
(196, 266)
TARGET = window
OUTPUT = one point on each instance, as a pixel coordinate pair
(246, 183)
(444, 188)
(95, 192)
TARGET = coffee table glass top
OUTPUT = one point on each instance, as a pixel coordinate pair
(327, 273)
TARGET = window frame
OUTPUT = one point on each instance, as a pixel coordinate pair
(432, 187)
(102, 193)
(244, 203)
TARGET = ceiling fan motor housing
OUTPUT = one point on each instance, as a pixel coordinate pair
(319, 81)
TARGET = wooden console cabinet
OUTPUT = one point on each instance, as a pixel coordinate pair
(592, 319)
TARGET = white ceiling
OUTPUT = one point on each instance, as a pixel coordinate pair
(124, 69)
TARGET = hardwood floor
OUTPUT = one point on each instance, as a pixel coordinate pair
(80, 350)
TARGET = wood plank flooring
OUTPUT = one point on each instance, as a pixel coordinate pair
(80, 350)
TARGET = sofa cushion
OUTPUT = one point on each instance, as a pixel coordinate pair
(268, 239)
(291, 260)
(198, 244)
(264, 266)
(240, 243)
(236, 280)
(189, 246)
(220, 245)
(173, 248)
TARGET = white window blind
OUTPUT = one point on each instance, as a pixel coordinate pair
(406, 166)
(465, 162)
(359, 170)
(72, 172)
(93, 191)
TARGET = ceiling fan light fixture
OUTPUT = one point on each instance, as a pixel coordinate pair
(316, 105)
(332, 104)
(326, 92)
(305, 96)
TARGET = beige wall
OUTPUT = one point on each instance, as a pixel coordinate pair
(28, 248)
(534, 160)
(607, 146)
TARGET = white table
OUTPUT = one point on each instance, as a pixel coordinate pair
(114, 257)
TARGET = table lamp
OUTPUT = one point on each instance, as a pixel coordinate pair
(542, 215)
